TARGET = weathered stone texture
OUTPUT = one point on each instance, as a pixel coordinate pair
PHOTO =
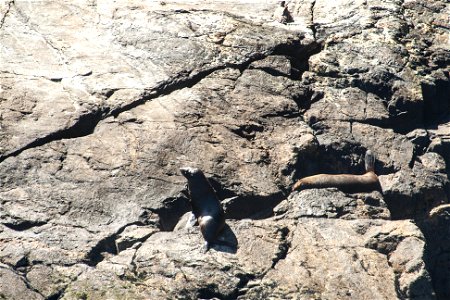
(102, 102)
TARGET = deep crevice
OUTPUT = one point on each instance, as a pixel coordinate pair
(98, 252)
(239, 291)
(105, 246)
(83, 126)
(313, 25)
(56, 295)
(174, 208)
(283, 247)
(436, 98)
(272, 71)
(255, 207)
(248, 131)
(209, 292)
(24, 225)
(298, 55)
(437, 253)
(2, 21)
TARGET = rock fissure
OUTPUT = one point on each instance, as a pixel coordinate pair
(107, 245)
(313, 25)
(283, 247)
(298, 55)
(87, 123)
(26, 21)
(171, 83)
(83, 126)
(2, 20)
(183, 80)
(56, 296)
(24, 225)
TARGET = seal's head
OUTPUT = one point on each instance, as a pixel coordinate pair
(190, 172)
(298, 186)
(369, 161)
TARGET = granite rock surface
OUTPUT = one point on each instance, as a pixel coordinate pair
(102, 102)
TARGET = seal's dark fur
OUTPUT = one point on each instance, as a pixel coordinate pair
(205, 204)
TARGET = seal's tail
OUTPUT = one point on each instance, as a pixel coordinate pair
(370, 161)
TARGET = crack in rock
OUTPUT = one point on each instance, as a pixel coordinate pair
(24, 225)
(283, 247)
(105, 245)
(8, 9)
(86, 124)
(83, 126)
(313, 25)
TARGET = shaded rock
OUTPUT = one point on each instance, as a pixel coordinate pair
(404, 246)
(437, 233)
(409, 196)
(186, 221)
(393, 151)
(277, 65)
(420, 139)
(413, 278)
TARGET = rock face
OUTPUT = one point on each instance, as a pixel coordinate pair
(102, 102)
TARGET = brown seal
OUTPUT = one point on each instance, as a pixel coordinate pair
(345, 182)
(205, 204)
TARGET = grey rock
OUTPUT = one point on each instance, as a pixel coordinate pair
(101, 103)
(331, 203)
(14, 286)
(324, 258)
(51, 281)
(409, 195)
(133, 234)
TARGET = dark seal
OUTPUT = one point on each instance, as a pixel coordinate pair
(205, 204)
(348, 183)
